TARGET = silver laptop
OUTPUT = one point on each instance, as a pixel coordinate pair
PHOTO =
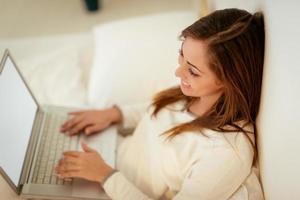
(31, 143)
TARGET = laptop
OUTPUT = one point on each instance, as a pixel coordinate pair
(31, 143)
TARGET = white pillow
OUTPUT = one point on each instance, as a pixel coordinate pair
(135, 57)
(53, 66)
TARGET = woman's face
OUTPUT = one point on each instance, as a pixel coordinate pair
(197, 80)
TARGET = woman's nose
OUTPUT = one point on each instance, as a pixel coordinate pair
(179, 72)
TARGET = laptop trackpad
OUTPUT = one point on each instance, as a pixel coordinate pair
(105, 143)
(86, 189)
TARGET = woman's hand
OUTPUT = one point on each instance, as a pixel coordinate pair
(91, 121)
(88, 165)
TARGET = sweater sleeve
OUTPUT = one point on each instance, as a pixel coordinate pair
(117, 187)
(131, 115)
(216, 176)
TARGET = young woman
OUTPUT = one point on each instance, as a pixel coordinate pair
(196, 140)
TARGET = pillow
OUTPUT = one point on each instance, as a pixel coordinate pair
(135, 58)
(54, 66)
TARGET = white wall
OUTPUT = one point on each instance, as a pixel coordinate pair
(280, 106)
(249, 5)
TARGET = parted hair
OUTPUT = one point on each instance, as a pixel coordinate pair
(235, 41)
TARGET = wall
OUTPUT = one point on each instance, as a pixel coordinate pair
(280, 105)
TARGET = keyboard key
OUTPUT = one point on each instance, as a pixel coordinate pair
(52, 145)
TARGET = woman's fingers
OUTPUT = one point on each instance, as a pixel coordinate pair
(71, 123)
(88, 165)
(76, 112)
(67, 123)
(70, 160)
(75, 154)
(68, 164)
(71, 174)
(86, 148)
(63, 172)
(78, 127)
(89, 121)
(71, 165)
(93, 128)
(64, 168)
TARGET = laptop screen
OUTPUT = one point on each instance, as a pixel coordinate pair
(17, 113)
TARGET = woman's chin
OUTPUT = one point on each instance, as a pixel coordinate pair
(185, 91)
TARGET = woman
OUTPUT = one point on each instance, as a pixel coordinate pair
(197, 140)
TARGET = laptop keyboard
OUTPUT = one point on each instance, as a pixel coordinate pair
(52, 145)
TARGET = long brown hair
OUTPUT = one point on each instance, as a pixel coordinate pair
(235, 41)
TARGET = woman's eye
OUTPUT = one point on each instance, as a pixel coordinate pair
(180, 52)
(192, 73)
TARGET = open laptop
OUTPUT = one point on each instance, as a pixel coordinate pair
(31, 143)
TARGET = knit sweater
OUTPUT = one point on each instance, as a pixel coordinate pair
(190, 166)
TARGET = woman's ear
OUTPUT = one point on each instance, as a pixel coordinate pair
(219, 84)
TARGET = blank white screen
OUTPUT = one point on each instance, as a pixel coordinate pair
(17, 112)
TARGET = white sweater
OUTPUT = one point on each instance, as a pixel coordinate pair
(188, 167)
